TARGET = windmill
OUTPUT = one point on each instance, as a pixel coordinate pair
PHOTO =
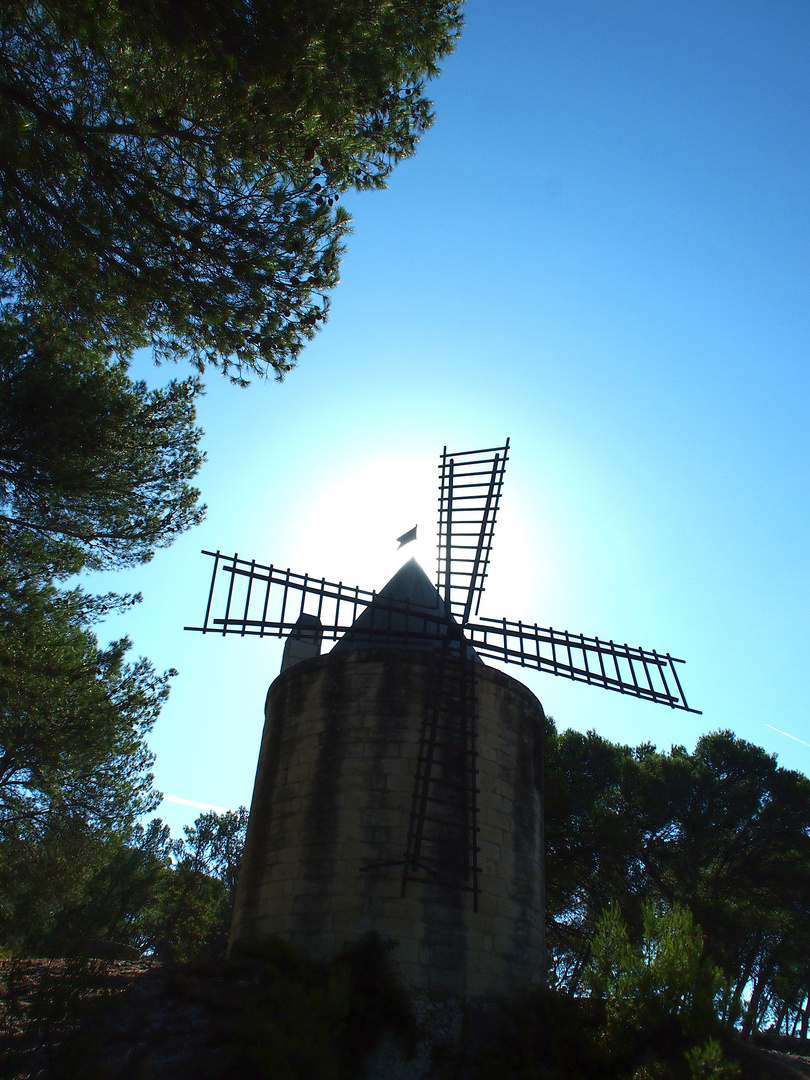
(438, 817)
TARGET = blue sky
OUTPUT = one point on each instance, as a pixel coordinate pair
(600, 250)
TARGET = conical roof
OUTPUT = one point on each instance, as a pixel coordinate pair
(407, 613)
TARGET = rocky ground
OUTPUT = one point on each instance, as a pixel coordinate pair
(121, 1019)
(139, 1020)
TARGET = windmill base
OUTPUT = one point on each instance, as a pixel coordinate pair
(380, 803)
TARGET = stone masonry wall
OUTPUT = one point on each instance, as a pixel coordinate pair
(329, 820)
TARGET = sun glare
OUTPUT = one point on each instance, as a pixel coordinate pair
(350, 530)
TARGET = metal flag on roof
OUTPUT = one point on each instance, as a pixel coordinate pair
(406, 537)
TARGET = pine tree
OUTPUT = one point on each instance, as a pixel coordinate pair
(170, 170)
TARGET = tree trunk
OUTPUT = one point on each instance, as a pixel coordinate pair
(750, 1022)
(782, 1015)
(742, 982)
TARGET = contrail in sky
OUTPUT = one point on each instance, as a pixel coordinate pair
(199, 805)
(788, 736)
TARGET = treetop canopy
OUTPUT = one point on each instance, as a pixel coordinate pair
(170, 171)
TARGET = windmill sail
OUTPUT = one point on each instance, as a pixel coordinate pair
(470, 485)
(249, 598)
(254, 599)
(628, 669)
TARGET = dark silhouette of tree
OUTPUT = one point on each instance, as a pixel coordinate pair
(169, 170)
(91, 462)
(73, 715)
(722, 831)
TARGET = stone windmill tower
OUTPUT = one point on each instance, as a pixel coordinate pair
(399, 784)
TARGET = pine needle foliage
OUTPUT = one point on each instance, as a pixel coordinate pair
(170, 170)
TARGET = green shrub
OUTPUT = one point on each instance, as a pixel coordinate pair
(708, 1062)
(662, 986)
